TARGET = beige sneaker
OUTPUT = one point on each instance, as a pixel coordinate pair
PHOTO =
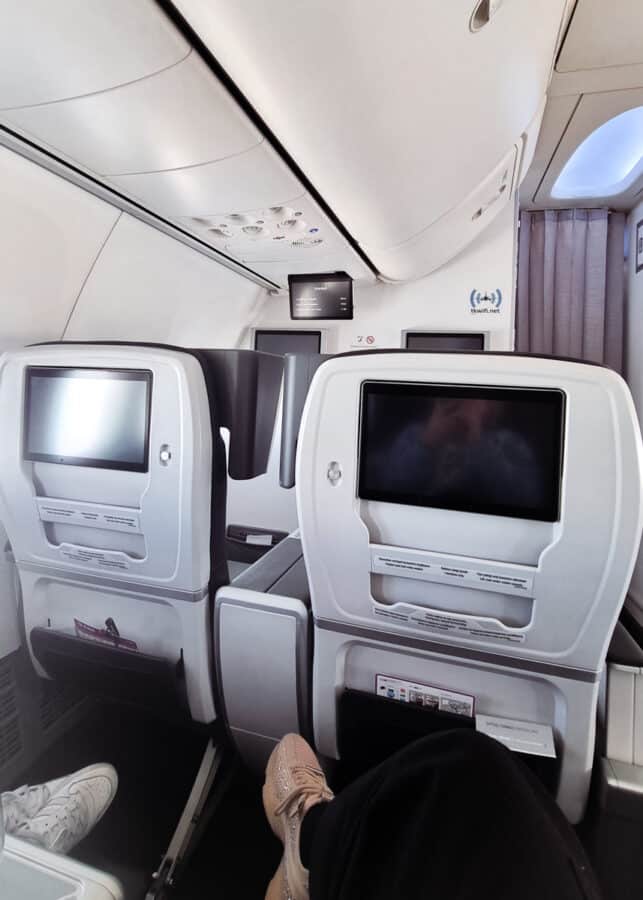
(294, 783)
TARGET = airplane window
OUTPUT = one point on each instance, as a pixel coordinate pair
(608, 162)
(282, 342)
(445, 343)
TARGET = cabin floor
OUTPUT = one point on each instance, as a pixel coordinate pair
(237, 854)
(156, 763)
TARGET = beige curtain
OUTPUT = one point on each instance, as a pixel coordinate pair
(571, 289)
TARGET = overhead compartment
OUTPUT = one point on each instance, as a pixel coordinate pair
(446, 237)
(250, 180)
(601, 35)
(51, 50)
(179, 117)
(400, 121)
(149, 118)
(252, 208)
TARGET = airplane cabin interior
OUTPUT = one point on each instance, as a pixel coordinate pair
(321, 382)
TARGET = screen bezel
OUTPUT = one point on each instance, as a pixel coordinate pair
(445, 334)
(436, 389)
(288, 332)
(318, 278)
(80, 372)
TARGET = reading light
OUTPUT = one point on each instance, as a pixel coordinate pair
(607, 163)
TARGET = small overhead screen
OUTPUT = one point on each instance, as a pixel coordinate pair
(321, 296)
(282, 342)
(88, 417)
(444, 342)
(496, 451)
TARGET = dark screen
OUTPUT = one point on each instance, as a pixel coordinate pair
(485, 450)
(321, 296)
(88, 417)
(446, 343)
(282, 342)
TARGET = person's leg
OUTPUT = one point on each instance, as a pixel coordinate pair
(295, 785)
(59, 814)
(453, 815)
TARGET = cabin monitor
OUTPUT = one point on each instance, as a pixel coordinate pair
(282, 342)
(472, 449)
(88, 417)
(321, 296)
(444, 342)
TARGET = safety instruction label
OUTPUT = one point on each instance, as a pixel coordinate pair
(101, 559)
(418, 564)
(523, 737)
(444, 623)
(425, 695)
(111, 518)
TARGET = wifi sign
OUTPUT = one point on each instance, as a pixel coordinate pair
(488, 302)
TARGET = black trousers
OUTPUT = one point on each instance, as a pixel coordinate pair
(453, 816)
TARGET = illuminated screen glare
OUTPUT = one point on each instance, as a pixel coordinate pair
(496, 451)
(88, 417)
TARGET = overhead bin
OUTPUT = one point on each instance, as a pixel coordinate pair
(179, 117)
(51, 51)
(254, 189)
(398, 120)
(613, 43)
(455, 229)
(170, 136)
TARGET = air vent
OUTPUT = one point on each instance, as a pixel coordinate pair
(255, 231)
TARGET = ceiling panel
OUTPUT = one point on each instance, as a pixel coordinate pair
(251, 180)
(53, 49)
(179, 117)
(602, 35)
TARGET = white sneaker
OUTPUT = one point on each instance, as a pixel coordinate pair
(73, 809)
(25, 802)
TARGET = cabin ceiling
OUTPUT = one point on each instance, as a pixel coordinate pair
(598, 75)
(403, 135)
(112, 87)
(415, 128)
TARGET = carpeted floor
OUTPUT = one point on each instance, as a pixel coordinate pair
(157, 763)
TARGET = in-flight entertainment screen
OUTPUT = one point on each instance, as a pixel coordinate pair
(282, 342)
(496, 451)
(88, 417)
(321, 296)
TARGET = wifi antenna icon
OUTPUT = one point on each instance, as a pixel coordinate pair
(490, 301)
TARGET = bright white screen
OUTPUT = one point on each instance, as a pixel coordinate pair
(88, 416)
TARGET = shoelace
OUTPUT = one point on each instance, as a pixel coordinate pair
(310, 785)
(20, 805)
(62, 817)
